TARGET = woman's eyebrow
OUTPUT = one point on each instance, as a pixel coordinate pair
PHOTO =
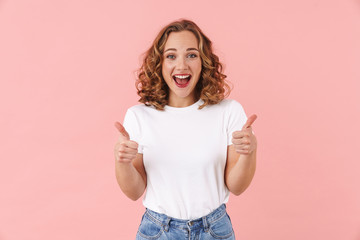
(174, 49)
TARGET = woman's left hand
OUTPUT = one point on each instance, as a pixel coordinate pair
(245, 141)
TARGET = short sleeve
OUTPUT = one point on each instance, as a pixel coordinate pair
(132, 126)
(236, 119)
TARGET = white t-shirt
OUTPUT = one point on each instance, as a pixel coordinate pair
(184, 153)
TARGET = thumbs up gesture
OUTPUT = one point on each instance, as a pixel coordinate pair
(245, 141)
(125, 149)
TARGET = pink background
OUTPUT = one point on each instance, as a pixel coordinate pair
(67, 74)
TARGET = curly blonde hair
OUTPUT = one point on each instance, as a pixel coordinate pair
(152, 88)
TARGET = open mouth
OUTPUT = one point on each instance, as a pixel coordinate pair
(182, 80)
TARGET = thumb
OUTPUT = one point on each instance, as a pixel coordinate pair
(122, 130)
(250, 121)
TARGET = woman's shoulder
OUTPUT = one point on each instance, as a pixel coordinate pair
(230, 103)
(140, 108)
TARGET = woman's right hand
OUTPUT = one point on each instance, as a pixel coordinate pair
(125, 150)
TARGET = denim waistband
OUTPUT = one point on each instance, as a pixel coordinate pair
(203, 222)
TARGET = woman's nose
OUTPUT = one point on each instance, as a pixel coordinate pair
(181, 64)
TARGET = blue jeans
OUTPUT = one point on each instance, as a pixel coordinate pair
(156, 226)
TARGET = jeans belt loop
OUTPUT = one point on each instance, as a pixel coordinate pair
(167, 224)
(205, 223)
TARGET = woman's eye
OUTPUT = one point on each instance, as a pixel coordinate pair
(192, 55)
(170, 56)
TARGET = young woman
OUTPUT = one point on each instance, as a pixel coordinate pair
(185, 144)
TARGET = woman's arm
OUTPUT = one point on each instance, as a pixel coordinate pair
(129, 166)
(241, 159)
(131, 177)
(239, 170)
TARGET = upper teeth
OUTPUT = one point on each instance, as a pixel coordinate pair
(182, 76)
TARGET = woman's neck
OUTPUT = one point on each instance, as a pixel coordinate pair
(181, 102)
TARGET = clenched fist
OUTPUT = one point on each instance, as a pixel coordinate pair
(125, 149)
(245, 141)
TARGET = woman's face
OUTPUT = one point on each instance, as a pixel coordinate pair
(181, 67)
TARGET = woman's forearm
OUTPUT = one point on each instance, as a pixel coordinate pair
(129, 180)
(242, 173)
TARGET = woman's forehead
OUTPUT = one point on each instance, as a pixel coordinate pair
(181, 41)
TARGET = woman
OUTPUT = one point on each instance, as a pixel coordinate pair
(185, 144)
